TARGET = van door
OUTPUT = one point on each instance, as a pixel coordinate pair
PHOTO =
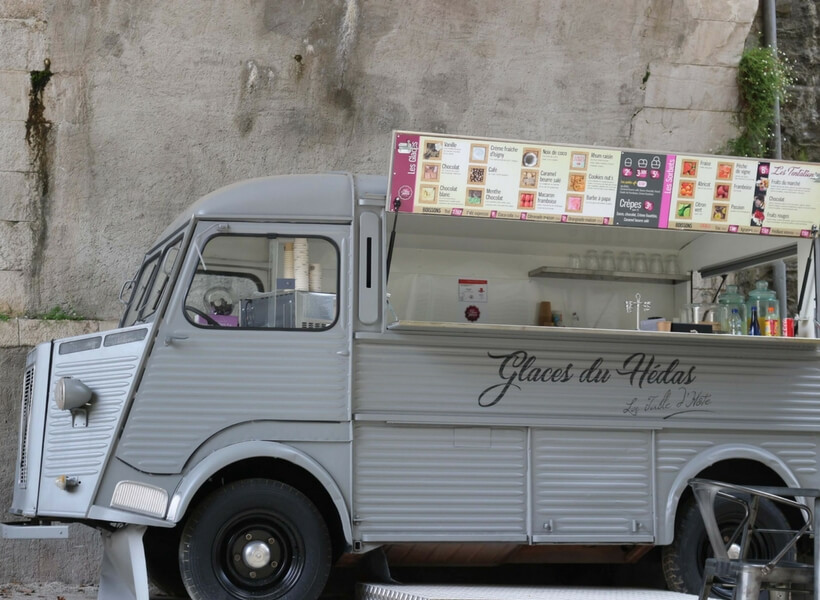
(258, 328)
(592, 486)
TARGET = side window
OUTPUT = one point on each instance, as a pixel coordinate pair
(151, 284)
(141, 287)
(265, 282)
(160, 281)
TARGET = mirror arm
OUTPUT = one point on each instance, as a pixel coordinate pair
(127, 285)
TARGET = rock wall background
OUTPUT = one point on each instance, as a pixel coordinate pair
(798, 37)
(73, 560)
(152, 104)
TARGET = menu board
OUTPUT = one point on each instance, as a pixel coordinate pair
(446, 175)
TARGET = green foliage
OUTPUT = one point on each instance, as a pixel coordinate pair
(763, 77)
(58, 313)
(39, 80)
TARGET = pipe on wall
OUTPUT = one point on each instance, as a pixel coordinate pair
(779, 268)
(770, 39)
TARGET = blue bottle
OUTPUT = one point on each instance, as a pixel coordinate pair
(754, 323)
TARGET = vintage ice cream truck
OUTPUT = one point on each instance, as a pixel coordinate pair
(312, 367)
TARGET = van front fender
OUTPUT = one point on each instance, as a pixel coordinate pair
(190, 484)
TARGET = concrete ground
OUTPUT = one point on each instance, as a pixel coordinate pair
(59, 591)
(549, 581)
(50, 591)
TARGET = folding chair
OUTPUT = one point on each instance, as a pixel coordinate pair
(780, 575)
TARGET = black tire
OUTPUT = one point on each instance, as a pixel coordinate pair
(684, 559)
(256, 518)
(162, 559)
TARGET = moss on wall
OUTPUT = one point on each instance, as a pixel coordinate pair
(38, 127)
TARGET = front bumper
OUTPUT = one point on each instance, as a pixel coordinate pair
(28, 530)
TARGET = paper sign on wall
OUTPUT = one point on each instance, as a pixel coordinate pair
(472, 290)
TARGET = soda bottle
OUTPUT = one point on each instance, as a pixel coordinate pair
(754, 324)
(771, 323)
(735, 323)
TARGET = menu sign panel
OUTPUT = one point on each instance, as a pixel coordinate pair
(440, 174)
(716, 194)
(641, 192)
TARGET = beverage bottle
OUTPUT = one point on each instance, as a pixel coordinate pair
(754, 324)
(735, 323)
(770, 325)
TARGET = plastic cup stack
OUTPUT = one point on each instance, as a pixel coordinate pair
(288, 261)
(301, 265)
(315, 277)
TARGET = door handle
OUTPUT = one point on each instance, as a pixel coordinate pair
(174, 337)
(343, 353)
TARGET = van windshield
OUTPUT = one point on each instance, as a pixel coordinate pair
(150, 284)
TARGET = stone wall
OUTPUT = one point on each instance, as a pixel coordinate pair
(76, 559)
(798, 37)
(22, 29)
(73, 560)
(152, 104)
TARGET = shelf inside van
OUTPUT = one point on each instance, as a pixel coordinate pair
(569, 273)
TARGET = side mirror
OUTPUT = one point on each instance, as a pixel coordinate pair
(170, 260)
(126, 289)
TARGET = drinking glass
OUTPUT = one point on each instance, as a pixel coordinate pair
(574, 261)
(655, 263)
(591, 260)
(671, 263)
(608, 260)
(639, 262)
(624, 261)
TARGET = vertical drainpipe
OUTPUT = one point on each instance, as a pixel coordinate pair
(770, 39)
(816, 317)
(779, 268)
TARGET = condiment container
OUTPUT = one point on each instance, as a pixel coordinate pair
(698, 312)
(732, 299)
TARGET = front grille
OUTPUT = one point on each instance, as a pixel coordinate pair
(25, 423)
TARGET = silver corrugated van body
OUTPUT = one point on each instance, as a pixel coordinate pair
(273, 403)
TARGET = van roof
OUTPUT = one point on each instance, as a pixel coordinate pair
(316, 197)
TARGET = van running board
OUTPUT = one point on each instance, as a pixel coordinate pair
(378, 591)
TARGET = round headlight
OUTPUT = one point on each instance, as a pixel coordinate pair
(70, 393)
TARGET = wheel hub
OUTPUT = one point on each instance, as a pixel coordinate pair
(256, 555)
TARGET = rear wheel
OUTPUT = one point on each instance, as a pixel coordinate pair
(684, 559)
(257, 539)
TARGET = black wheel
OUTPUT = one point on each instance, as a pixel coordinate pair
(684, 559)
(258, 539)
(162, 559)
(208, 318)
